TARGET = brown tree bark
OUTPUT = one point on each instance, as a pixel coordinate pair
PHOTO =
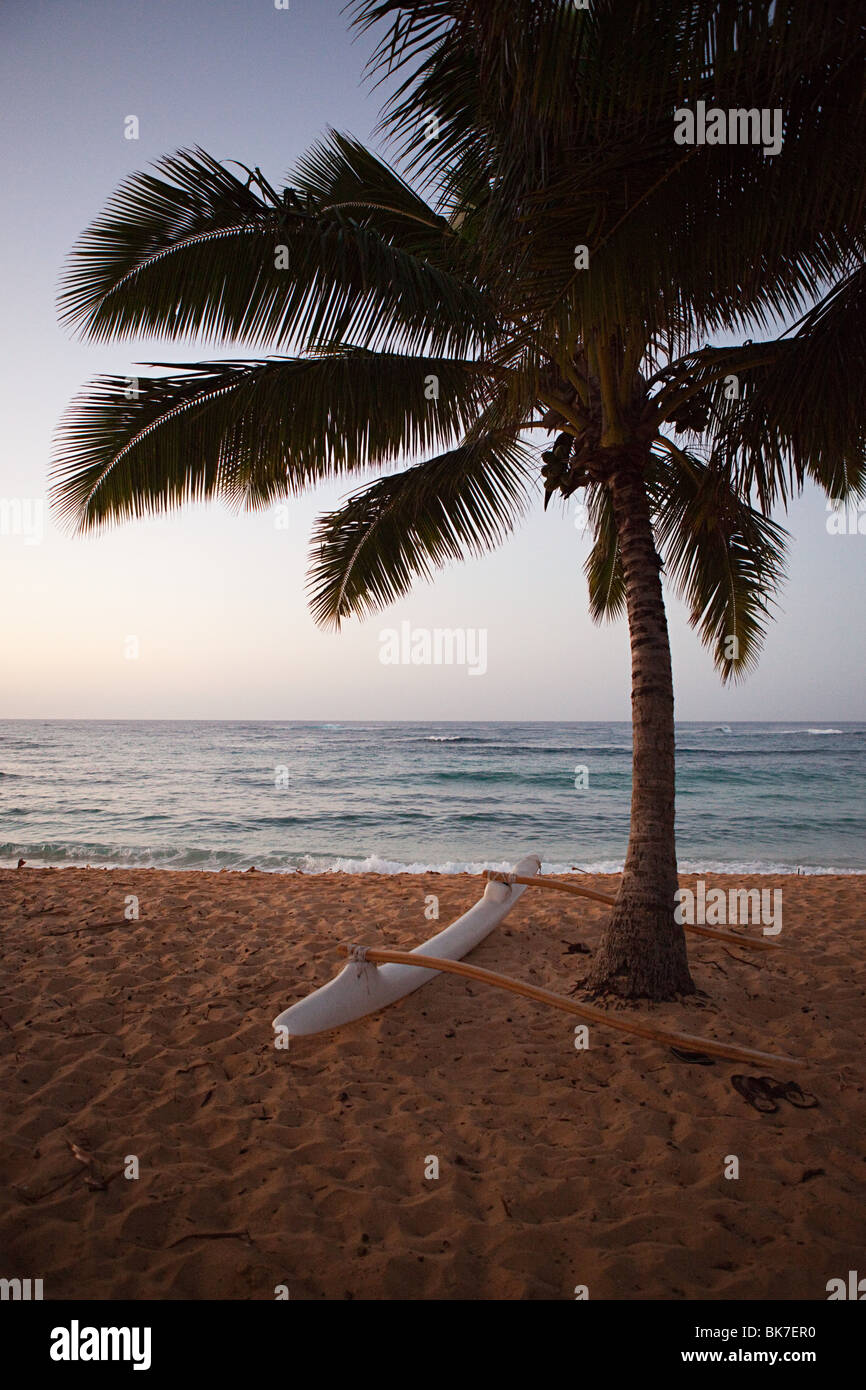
(643, 950)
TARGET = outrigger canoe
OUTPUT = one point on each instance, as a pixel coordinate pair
(363, 988)
(375, 978)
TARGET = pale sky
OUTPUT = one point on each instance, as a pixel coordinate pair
(215, 600)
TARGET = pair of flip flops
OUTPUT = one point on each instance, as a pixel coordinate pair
(762, 1092)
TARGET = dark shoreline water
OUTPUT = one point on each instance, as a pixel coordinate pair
(386, 797)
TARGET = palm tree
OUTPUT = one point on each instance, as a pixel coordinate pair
(557, 261)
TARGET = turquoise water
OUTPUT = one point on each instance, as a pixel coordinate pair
(387, 797)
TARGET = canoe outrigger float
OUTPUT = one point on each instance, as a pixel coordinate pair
(375, 978)
(363, 989)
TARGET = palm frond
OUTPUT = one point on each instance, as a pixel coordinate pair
(404, 526)
(250, 432)
(340, 174)
(194, 251)
(724, 558)
(800, 413)
(568, 114)
(603, 567)
(781, 411)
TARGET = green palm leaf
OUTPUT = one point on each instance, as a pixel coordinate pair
(800, 414)
(725, 559)
(339, 174)
(198, 252)
(252, 431)
(787, 409)
(406, 525)
(603, 567)
(571, 122)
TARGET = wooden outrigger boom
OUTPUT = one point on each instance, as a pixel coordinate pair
(708, 1046)
(750, 943)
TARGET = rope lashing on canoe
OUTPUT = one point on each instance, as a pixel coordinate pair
(750, 943)
(709, 1046)
(358, 953)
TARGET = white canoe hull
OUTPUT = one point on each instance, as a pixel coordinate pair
(363, 988)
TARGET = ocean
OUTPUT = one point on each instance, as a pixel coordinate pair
(398, 797)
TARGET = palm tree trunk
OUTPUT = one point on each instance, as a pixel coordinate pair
(643, 950)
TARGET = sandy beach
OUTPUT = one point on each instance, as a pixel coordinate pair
(305, 1168)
